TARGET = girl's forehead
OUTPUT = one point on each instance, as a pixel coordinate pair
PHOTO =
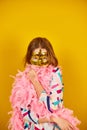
(37, 50)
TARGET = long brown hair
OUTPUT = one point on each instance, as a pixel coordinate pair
(42, 43)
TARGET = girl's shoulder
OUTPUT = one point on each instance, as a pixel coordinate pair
(57, 69)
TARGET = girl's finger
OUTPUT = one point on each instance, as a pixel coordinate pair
(71, 127)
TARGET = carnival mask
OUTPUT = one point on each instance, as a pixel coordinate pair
(39, 57)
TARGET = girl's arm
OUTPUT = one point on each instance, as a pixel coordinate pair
(33, 77)
(30, 117)
(55, 99)
(60, 122)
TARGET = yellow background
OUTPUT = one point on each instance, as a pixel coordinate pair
(64, 23)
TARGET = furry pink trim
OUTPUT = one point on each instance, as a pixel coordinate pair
(23, 94)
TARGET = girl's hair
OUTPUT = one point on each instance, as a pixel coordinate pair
(42, 43)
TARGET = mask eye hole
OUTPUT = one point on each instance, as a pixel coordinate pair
(36, 57)
(44, 57)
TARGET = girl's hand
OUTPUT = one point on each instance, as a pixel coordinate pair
(32, 75)
(34, 79)
(63, 124)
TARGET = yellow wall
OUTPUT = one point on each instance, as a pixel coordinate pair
(65, 25)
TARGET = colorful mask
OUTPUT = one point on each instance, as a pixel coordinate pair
(39, 57)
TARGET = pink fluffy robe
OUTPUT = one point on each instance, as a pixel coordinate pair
(23, 94)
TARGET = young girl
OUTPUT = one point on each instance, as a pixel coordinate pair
(37, 94)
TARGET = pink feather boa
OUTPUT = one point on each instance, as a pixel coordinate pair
(23, 94)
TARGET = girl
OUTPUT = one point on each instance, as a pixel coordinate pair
(37, 94)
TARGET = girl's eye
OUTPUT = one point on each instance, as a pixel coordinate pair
(36, 57)
(44, 57)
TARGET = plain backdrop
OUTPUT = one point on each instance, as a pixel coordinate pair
(64, 23)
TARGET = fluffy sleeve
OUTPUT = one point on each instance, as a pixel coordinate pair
(20, 97)
(54, 101)
(57, 87)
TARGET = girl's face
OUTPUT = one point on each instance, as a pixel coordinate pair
(39, 57)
